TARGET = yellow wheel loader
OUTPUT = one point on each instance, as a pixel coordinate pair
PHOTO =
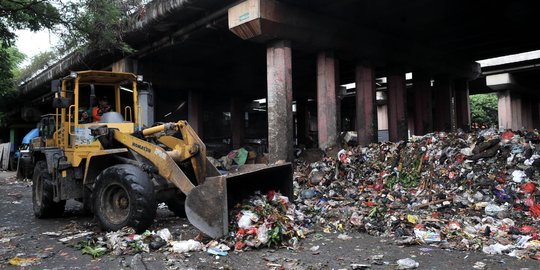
(121, 170)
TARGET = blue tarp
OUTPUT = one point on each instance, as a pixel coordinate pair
(30, 135)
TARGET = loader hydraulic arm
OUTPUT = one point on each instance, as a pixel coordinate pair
(189, 147)
(155, 154)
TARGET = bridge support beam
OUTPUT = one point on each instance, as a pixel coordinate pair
(326, 100)
(366, 107)
(517, 111)
(279, 102)
(423, 103)
(463, 111)
(195, 112)
(443, 114)
(237, 122)
(397, 108)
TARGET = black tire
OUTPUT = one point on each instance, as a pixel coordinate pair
(87, 204)
(42, 193)
(177, 205)
(124, 196)
(12, 163)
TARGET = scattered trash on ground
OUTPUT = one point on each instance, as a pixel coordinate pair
(265, 220)
(407, 263)
(464, 191)
(23, 261)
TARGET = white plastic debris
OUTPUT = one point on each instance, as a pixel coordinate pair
(186, 246)
(496, 248)
(79, 235)
(479, 265)
(247, 219)
(492, 209)
(517, 176)
(343, 236)
(165, 234)
(262, 234)
(407, 263)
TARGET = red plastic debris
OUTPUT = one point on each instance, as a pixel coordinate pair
(527, 229)
(535, 210)
(529, 188)
(239, 245)
(507, 135)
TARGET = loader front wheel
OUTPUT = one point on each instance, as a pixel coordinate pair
(124, 196)
(42, 193)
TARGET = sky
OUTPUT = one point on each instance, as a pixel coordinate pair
(31, 43)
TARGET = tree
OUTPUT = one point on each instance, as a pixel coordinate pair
(484, 109)
(10, 58)
(38, 62)
(25, 14)
(98, 24)
(94, 24)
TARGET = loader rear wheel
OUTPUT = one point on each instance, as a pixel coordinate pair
(42, 193)
(177, 205)
(124, 196)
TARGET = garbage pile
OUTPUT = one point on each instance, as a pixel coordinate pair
(466, 191)
(265, 220)
(268, 220)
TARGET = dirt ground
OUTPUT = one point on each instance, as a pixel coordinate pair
(22, 235)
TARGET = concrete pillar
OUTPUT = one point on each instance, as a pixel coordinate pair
(366, 107)
(423, 103)
(504, 107)
(526, 112)
(195, 111)
(535, 113)
(326, 100)
(237, 122)
(463, 111)
(146, 103)
(280, 117)
(302, 121)
(443, 104)
(125, 65)
(397, 108)
(516, 109)
(513, 112)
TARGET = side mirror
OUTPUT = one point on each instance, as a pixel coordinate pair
(60, 103)
(56, 86)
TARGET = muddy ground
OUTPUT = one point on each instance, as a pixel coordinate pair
(22, 235)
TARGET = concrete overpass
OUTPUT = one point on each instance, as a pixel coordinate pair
(220, 56)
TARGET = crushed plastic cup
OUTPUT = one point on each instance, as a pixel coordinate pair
(407, 263)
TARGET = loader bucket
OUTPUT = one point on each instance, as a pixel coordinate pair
(208, 204)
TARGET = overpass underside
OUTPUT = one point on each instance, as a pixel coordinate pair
(275, 70)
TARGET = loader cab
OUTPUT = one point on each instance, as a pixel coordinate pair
(77, 94)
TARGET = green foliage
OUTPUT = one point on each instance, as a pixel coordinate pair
(9, 59)
(37, 62)
(25, 14)
(484, 109)
(98, 24)
(91, 248)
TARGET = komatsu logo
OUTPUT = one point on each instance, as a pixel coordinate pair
(142, 147)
